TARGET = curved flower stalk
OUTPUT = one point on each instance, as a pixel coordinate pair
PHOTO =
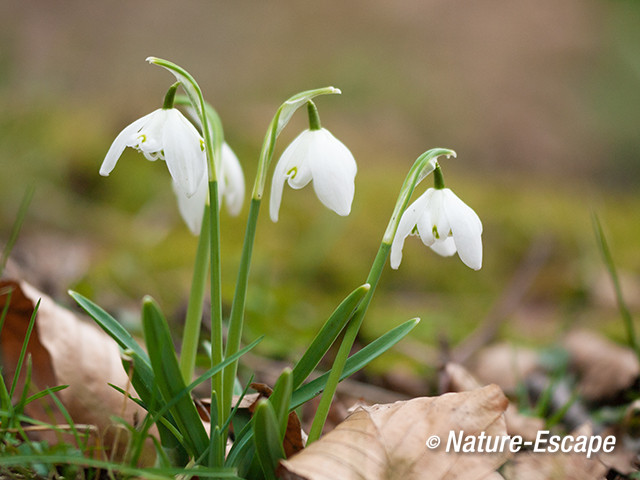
(445, 224)
(166, 134)
(316, 155)
(232, 190)
(279, 121)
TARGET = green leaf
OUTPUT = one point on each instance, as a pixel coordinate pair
(169, 379)
(143, 379)
(355, 362)
(267, 440)
(281, 398)
(327, 335)
(110, 325)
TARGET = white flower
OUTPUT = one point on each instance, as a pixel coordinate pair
(444, 223)
(166, 134)
(230, 187)
(319, 156)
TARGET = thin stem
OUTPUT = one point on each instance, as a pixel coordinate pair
(314, 117)
(611, 267)
(438, 179)
(193, 320)
(170, 97)
(217, 385)
(236, 320)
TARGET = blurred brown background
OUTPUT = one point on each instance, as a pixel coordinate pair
(538, 99)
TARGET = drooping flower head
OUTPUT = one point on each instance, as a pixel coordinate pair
(319, 157)
(231, 189)
(165, 134)
(444, 223)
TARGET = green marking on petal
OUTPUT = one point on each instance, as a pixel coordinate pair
(414, 230)
(434, 230)
(142, 137)
(202, 144)
(293, 172)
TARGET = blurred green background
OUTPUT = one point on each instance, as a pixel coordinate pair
(541, 100)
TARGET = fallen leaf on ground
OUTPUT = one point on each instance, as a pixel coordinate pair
(505, 365)
(552, 466)
(389, 441)
(461, 380)
(66, 351)
(604, 367)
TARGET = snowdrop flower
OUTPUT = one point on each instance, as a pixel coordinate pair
(166, 134)
(444, 223)
(319, 156)
(231, 188)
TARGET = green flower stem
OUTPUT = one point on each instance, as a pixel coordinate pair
(213, 139)
(423, 166)
(170, 97)
(314, 117)
(438, 179)
(217, 384)
(191, 333)
(236, 320)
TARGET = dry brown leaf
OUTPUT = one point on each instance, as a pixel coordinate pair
(461, 380)
(605, 368)
(505, 365)
(556, 466)
(388, 441)
(66, 351)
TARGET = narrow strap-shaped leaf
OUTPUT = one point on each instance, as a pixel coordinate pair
(143, 378)
(355, 362)
(267, 440)
(281, 398)
(110, 325)
(327, 335)
(169, 379)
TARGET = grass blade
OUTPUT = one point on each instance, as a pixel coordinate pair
(611, 267)
(17, 225)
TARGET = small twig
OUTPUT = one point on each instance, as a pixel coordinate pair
(518, 286)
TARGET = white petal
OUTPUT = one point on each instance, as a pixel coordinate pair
(287, 166)
(234, 180)
(405, 226)
(149, 139)
(119, 144)
(426, 222)
(445, 248)
(296, 158)
(277, 185)
(467, 230)
(192, 208)
(183, 153)
(441, 228)
(333, 169)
